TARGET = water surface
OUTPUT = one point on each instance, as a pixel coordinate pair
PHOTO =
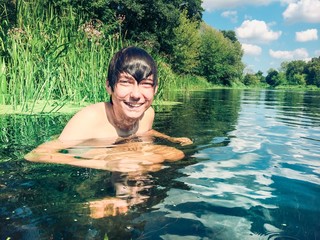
(253, 172)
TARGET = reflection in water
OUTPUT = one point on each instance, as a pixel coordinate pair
(129, 191)
(253, 173)
(265, 182)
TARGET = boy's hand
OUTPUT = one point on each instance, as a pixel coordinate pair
(182, 140)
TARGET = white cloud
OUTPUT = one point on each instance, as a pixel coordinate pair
(232, 15)
(317, 52)
(256, 31)
(308, 35)
(211, 5)
(297, 54)
(251, 49)
(303, 11)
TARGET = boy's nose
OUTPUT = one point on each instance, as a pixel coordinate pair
(135, 93)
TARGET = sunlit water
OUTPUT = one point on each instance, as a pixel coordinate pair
(253, 172)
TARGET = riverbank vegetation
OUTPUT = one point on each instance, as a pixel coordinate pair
(56, 52)
(294, 75)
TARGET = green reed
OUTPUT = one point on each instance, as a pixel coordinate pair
(53, 60)
(170, 81)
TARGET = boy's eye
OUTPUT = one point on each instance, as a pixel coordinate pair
(146, 83)
(124, 81)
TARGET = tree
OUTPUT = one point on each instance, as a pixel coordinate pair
(185, 45)
(250, 79)
(230, 35)
(152, 22)
(312, 71)
(271, 77)
(299, 79)
(260, 76)
(146, 22)
(294, 69)
(275, 78)
(220, 58)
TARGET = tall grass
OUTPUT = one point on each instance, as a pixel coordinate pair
(53, 60)
(170, 81)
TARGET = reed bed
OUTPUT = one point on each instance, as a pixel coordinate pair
(51, 59)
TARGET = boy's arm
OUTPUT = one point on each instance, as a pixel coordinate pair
(50, 152)
(120, 158)
(182, 140)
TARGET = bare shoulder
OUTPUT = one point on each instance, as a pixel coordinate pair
(147, 121)
(148, 116)
(83, 123)
(150, 112)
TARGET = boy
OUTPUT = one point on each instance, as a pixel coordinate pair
(132, 84)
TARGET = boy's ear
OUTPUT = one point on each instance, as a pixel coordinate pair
(108, 87)
(156, 89)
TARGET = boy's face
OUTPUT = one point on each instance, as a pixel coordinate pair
(131, 99)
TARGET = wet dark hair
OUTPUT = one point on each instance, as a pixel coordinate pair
(134, 61)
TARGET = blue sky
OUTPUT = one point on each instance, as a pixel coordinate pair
(270, 31)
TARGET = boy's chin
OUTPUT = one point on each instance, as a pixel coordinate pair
(136, 115)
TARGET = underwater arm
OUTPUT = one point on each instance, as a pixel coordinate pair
(182, 140)
(121, 158)
(50, 152)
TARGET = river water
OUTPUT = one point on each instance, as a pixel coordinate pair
(253, 172)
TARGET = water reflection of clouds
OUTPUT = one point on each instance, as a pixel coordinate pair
(222, 228)
(230, 177)
(242, 174)
(227, 188)
(250, 184)
(261, 129)
(224, 217)
(295, 175)
(244, 159)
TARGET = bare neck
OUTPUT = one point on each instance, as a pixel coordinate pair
(125, 127)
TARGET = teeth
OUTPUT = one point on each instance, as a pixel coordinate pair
(133, 105)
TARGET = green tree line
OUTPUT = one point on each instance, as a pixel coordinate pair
(291, 74)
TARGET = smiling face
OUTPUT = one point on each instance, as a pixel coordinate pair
(134, 61)
(130, 98)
